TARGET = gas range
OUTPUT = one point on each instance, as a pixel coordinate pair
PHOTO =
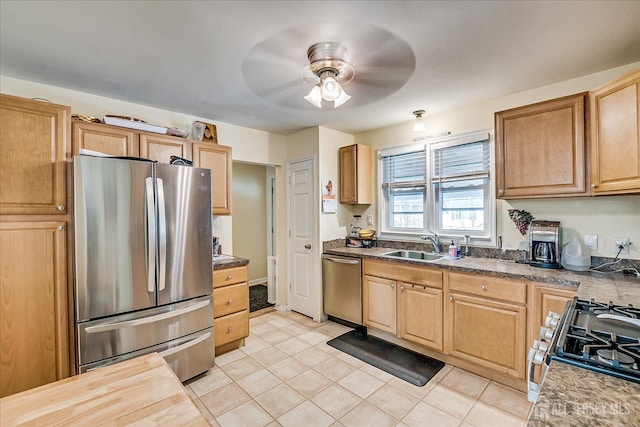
(601, 337)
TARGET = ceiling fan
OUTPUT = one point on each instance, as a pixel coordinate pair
(379, 63)
(327, 61)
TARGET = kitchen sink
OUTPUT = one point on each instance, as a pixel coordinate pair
(414, 255)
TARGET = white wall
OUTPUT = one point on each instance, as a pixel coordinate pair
(330, 142)
(606, 216)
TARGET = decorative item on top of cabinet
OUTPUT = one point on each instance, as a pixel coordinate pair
(540, 149)
(112, 140)
(34, 305)
(355, 174)
(485, 322)
(230, 308)
(217, 158)
(615, 136)
(34, 150)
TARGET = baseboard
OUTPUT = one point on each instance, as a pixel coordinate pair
(261, 281)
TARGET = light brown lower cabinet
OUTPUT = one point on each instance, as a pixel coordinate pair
(546, 298)
(409, 307)
(486, 332)
(486, 321)
(420, 314)
(379, 303)
(230, 308)
(34, 311)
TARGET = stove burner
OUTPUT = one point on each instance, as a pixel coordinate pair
(608, 308)
(614, 358)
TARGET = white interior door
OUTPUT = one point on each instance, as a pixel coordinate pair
(302, 293)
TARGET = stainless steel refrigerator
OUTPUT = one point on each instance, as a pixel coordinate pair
(143, 262)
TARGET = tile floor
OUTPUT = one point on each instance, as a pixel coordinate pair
(286, 375)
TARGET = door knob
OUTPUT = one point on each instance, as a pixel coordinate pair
(307, 246)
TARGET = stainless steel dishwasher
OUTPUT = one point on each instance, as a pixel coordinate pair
(342, 287)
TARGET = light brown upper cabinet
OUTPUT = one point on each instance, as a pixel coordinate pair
(540, 149)
(112, 140)
(218, 159)
(34, 149)
(355, 174)
(160, 147)
(615, 136)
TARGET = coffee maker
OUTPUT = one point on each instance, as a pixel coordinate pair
(544, 244)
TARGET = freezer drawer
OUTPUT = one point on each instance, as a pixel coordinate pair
(188, 356)
(114, 336)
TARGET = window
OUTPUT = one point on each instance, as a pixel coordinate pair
(445, 187)
(404, 188)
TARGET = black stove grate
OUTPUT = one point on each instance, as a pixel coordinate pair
(591, 343)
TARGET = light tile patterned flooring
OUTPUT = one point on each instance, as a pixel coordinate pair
(286, 375)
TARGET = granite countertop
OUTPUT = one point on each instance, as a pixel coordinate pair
(573, 396)
(616, 287)
(227, 261)
(570, 396)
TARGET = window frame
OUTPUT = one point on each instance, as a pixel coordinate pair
(432, 209)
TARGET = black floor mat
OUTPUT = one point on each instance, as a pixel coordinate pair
(258, 298)
(405, 364)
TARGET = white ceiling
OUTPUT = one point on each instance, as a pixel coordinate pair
(212, 58)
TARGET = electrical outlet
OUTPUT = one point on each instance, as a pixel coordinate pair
(623, 244)
(369, 219)
(591, 240)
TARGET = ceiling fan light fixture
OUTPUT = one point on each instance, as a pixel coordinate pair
(331, 89)
(341, 99)
(327, 61)
(419, 125)
(315, 96)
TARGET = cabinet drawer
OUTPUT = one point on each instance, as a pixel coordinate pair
(230, 299)
(231, 328)
(489, 287)
(229, 276)
(406, 273)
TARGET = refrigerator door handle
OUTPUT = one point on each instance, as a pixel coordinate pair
(162, 235)
(145, 320)
(185, 346)
(151, 235)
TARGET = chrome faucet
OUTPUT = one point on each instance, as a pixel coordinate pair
(435, 240)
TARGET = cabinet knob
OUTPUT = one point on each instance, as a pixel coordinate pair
(501, 191)
(229, 329)
(229, 277)
(594, 186)
(229, 301)
(61, 207)
(450, 298)
(61, 227)
(393, 285)
(483, 287)
(401, 288)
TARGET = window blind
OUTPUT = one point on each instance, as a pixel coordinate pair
(459, 162)
(404, 170)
